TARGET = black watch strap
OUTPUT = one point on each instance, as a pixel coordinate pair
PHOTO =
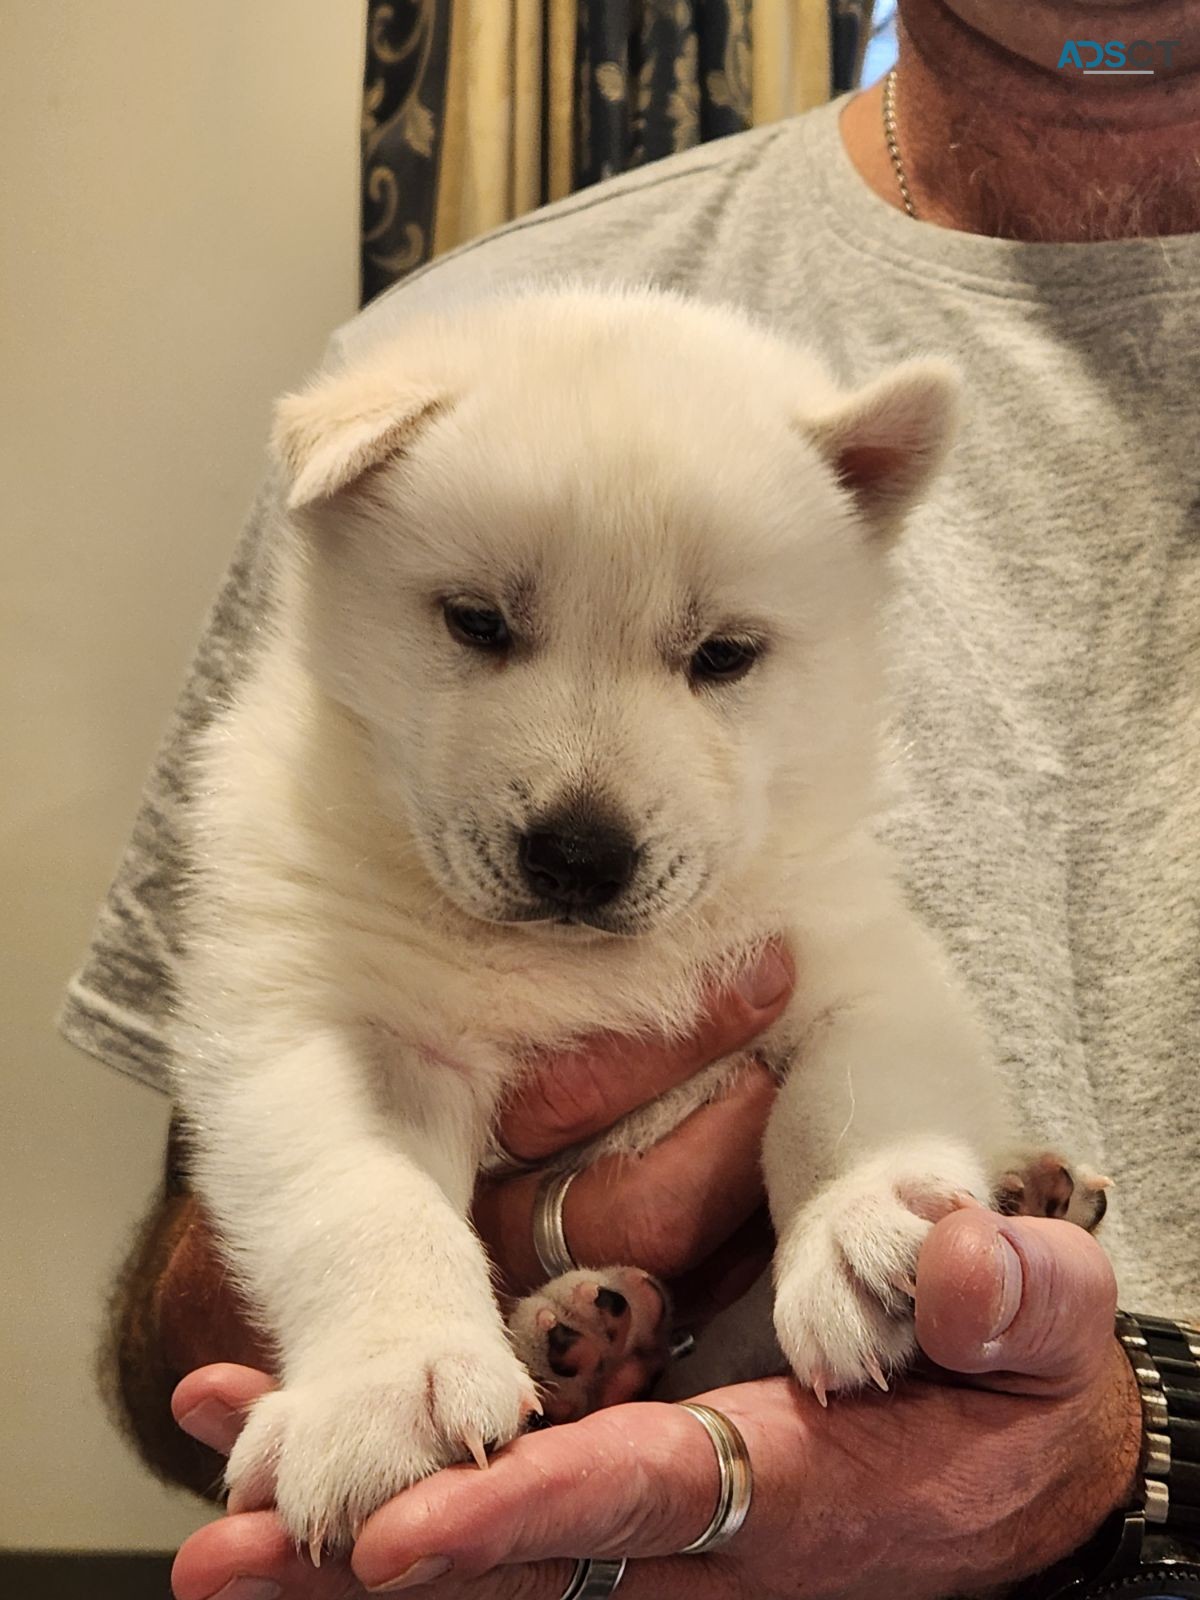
(1153, 1548)
(1165, 1357)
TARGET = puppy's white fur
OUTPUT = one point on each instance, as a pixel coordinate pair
(623, 475)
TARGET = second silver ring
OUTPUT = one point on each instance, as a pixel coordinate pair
(549, 1241)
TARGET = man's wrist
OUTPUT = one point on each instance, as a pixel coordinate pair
(1129, 1454)
(137, 1372)
(1108, 1489)
(1099, 1434)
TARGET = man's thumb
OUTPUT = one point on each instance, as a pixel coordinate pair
(1024, 1303)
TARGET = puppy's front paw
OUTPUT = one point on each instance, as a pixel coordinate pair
(593, 1338)
(845, 1270)
(1043, 1183)
(330, 1450)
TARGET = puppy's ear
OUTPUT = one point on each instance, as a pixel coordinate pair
(332, 432)
(886, 441)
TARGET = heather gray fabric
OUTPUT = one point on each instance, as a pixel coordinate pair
(1046, 631)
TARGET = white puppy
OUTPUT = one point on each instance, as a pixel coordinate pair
(570, 704)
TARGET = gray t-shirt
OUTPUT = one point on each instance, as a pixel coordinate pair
(1045, 632)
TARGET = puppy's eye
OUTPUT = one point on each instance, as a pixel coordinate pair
(721, 660)
(478, 626)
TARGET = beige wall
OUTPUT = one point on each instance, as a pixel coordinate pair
(177, 237)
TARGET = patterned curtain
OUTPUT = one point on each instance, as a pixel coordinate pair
(656, 77)
(476, 111)
(403, 102)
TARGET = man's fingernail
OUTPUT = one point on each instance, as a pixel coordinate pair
(768, 980)
(1012, 1283)
(248, 1589)
(423, 1571)
(210, 1422)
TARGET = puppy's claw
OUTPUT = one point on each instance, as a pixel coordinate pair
(818, 1388)
(474, 1443)
(316, 1543)
(875, 1373)
(906, 1285)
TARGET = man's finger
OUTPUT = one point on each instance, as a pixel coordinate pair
(696, 1577)
(1024, 1303)
(665, 1211)
(637, 1480)
(579, 1093)
(211, 1403)
(250, 1557)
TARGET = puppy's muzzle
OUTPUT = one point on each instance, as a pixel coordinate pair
(577, 871)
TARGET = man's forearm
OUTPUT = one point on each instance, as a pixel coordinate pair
(173, 1309)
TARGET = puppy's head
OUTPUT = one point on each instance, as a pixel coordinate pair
(598, 574)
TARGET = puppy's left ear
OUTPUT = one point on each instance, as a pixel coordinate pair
(329, 434)
(885, 442)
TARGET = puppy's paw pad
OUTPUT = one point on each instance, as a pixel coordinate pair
(593, 1338)
(331, 1450)
(1046, 1184)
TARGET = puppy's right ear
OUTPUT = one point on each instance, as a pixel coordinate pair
(335, 430)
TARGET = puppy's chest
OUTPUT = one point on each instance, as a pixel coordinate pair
(503, 1021)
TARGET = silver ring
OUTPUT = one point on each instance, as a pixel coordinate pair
(506, 1164)
(593, 1579)
(549, 1241)
(736, 1487)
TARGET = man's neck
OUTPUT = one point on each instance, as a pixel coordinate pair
(999, 141)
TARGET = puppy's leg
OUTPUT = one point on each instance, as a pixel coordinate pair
(347, 1231)
(883, 1125)
(593, 1338)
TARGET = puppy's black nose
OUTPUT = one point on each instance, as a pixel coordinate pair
(577, 870)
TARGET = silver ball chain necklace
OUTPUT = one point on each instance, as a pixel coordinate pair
(893, 144)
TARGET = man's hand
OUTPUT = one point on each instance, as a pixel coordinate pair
(690, 1207)
(934, 1490)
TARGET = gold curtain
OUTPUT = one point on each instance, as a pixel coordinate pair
(789, 59)
(493, 134)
